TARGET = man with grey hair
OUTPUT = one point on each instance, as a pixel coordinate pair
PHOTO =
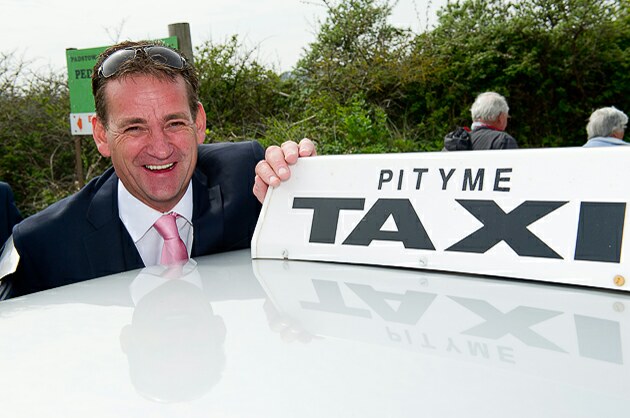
(490, 116)
(606, 127)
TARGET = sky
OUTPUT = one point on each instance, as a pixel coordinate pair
(39, 31)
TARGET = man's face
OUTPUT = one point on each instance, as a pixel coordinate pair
(151, 137)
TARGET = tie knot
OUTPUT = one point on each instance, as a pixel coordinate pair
(167, 227)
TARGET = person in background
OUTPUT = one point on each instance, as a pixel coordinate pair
(167, 197)
(9, 215)
(490, 114)
(606, 127)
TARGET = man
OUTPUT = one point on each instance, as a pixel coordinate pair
(606, 127)
(490, 117)
(167, 196)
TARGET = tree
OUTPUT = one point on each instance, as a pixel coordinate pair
(237, 92)
(36, 148)
(356, 51)
(555, 61)
(350, 78)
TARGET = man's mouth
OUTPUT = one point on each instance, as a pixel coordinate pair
(159, 167)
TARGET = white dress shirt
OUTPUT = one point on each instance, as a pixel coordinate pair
(139, 218)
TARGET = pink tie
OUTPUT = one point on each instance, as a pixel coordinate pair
(174, 250)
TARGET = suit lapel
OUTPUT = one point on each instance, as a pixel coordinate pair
(207, 216)
(108, 246)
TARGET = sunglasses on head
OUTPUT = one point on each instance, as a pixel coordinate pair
(158, 54)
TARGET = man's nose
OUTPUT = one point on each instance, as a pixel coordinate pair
(159, 144)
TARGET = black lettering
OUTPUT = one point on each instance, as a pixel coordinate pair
(420, 172)
(410, 231)
(326, 215)
(468, 181)
(499, 178)
(446, 177)
(400, 179)
(385, 177)
(83, 58)
(508, 227)
(83, 73)
(600, 231)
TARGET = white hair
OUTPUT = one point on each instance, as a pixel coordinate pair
(488, 107)
(606, 121)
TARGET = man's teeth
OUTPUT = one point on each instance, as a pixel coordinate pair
(159, 167)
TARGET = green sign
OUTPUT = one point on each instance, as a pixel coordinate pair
(80, 65)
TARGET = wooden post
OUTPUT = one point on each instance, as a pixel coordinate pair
(182, 31)
(78, 163)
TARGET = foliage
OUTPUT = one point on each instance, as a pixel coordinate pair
(555, 60)
(350, 79)
(36, 148)
(237, 92)
(356, 52)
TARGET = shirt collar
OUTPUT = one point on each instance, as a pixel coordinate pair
(481, 125)
(138, 218)
(608, 140)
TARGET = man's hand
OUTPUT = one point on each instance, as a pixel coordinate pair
(274, 169)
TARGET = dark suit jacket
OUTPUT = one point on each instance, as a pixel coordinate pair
(484, 137)
(82, 237)
(9, 213)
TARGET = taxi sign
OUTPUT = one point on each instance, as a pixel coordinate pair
(554, 215)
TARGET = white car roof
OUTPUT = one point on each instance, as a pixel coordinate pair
(272, 338)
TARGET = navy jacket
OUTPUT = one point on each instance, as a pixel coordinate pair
(9, 213)
(82, 237)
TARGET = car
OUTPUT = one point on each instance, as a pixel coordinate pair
(315, 321)
(231, 336)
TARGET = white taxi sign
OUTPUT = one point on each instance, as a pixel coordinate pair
(553, 215)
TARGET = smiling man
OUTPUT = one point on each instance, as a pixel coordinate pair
(167, 197)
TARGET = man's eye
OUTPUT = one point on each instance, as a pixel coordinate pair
(133, 129)
(176, 124)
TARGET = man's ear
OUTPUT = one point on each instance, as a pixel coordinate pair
(200, 123)
(100, 136)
